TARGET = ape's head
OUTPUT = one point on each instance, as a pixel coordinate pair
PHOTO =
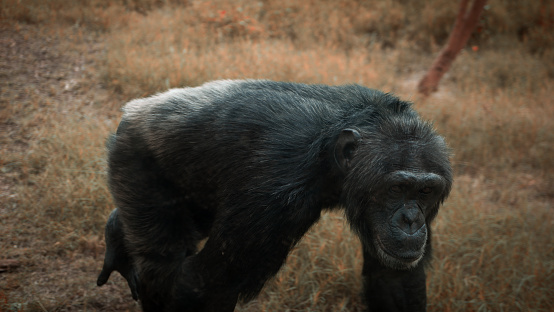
(396, 177)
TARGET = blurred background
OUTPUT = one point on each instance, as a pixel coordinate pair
(67, 67)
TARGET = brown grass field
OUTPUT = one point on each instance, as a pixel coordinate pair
(67, 67)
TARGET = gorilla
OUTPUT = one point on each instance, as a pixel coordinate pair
(250, 165)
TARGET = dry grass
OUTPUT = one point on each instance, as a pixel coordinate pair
(70, 65)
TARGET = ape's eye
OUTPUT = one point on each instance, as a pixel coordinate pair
(426, 190)
(396, 189)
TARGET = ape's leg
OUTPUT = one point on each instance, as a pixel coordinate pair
(246, 247)
(160, 239)
(117, 258)
(386, 289)
(162, 225)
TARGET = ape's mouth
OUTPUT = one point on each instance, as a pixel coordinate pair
(409, 258)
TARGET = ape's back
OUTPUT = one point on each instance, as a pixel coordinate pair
(225, 134)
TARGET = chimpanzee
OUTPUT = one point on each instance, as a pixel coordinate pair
(250, 165)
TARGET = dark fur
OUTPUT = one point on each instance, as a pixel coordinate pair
(251, 165)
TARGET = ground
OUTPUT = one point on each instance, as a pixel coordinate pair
(39, 70)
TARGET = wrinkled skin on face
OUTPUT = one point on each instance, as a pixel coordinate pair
(398, 217)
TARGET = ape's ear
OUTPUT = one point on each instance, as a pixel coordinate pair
(347, 144)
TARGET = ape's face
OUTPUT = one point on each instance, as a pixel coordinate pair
(393, 190)
(398, 214)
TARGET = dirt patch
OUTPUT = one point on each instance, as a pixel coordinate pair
(44, 74)
(41, 73)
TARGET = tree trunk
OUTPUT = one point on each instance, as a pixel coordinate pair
(464, 26)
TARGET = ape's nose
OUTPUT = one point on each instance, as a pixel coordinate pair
(409, 220)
